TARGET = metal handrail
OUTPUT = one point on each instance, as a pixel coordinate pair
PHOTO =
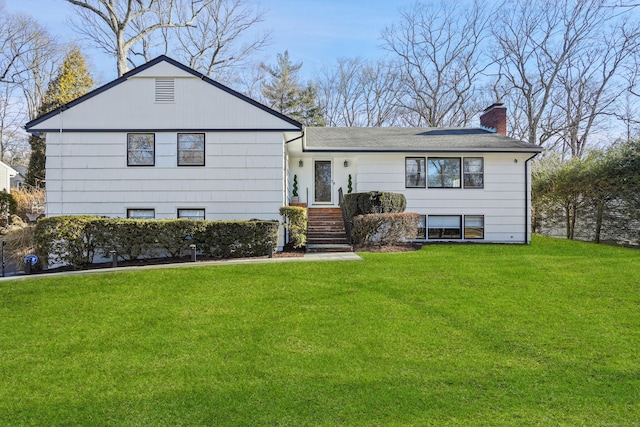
(347, 223)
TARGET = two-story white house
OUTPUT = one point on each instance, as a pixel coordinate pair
(164, 141)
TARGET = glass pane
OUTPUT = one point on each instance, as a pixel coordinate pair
(444, 221)
(141, 213)
(473, 165)
(422, 227)
(415, 172)
(140, 149)
(444, 173)
(322, 187)
(191, 214)
(445, 227)
(474, 227)
(190, 149)
(474, 172)
(473, 180)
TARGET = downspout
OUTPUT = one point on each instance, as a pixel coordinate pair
(60, 165)
(286, 184)
(527, 209)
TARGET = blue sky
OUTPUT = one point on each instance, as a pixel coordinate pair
(316, 32)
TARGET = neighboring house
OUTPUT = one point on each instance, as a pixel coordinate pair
(6, 173)
(18, 180)
(164, 141)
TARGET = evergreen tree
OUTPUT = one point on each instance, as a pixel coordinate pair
(71, 81)
(284, 92)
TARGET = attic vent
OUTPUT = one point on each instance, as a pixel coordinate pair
(165, 90)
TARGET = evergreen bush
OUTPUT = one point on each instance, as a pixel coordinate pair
(385, 229)
(75, 240)
(374, 202)
(295, 220)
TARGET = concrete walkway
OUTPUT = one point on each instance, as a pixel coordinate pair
(310, 257)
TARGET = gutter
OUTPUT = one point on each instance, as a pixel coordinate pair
(527, 210)
(419, 151)
(296, 138)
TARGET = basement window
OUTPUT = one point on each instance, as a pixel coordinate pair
(445, 227)
(141, 213)
(197, 214)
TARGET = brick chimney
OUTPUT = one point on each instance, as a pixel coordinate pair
(495, 117)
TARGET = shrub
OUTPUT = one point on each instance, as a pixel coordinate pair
(374, 202)
(65, 240)
(74, 240)
(130, 238)
(236, 239)
(295, 220)
(7, 207)
(385, 229)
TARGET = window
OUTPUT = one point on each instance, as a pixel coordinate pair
(141, 213)
(414, 172)
(443, 172)
(191, 149)
(474, 227)
(422, 227)
(445, 227)
(141, 149)
(473, 172)
(191, 213)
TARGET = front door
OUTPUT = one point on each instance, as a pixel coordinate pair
(322, 181)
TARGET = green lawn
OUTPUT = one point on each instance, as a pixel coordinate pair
(546, 334)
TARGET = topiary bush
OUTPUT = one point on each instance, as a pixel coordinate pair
(374, 202)
(385, 229)
(294, 218)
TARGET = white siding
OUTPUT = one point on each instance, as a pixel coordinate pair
(241, 179)
(501, 201)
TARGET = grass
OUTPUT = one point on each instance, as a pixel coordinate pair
(546, 334)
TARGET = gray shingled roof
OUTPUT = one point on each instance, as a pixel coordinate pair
(411, 139)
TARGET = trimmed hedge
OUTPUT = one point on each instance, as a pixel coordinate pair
(65, 240)
(295, 220)
(75, 240)
(374, 202)
(385, 229)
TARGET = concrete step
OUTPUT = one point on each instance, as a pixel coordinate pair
(314, 248)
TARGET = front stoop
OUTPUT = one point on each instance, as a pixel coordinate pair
(326, 231)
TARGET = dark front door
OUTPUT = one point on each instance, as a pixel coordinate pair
(322, 181)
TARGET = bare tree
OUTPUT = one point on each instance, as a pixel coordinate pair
(591, 88)
(438, 46)
(27, 55)
(360, 93)
(218, 40)
(12, 114)
(116, 26)
(562, 63)
(21, 39)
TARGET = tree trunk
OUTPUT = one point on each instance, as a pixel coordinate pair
(599, 215)
(121, 54)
